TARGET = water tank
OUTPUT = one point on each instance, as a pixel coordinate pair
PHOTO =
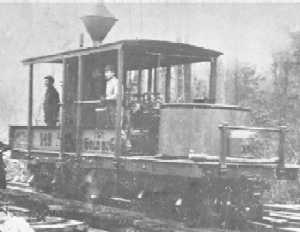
(186, 127)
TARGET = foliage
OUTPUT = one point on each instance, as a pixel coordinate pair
(273, 99)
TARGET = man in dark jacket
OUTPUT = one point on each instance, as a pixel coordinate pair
(51, 103)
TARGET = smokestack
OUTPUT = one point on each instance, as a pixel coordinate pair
(98, 23)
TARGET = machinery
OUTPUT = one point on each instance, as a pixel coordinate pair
(168, 154)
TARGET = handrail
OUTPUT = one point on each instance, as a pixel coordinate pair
(225, 141)
(264, 129)
(88, 102)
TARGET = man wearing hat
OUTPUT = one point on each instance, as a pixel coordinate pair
(111, 93)
(111, 83)
(51, 103)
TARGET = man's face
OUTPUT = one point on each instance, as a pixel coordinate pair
(48, 83)
(109, 74)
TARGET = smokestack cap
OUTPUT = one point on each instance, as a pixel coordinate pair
(98, 22)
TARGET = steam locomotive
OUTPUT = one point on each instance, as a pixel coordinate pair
(168, 154)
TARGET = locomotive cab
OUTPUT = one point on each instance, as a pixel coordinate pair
(147, 71)
(155, 110)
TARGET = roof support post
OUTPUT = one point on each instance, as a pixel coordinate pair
(63, 110)
(179, 83)
(213, 80)
(281, 157)
(155, 80)
(187, 83)
(149, 81)
(30, 106)
(139, 84)
(167, 85)
(118, 121)
(224, 145)
(79, 106)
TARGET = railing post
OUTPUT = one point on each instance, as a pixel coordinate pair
(79, 106)
(30, 106)
(118, 121)
(282, 130)
(223, 145)
(63, 110)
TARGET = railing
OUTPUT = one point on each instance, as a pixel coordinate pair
(225, 141)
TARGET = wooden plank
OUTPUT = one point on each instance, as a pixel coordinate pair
(275, 220)
(70, 225)
(282, 212)
(30, 105)
(48, 220)
(96, 230)
(283, 207)
(288, 217)
(287, 229)
(259, 226)
(12, 208)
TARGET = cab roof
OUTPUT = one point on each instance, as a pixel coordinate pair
(139, 53)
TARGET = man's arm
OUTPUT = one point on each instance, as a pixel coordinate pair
(57, 100)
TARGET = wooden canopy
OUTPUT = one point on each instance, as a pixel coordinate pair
(139, 53)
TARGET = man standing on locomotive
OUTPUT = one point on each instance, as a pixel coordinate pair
(111, 93)
(51, 102)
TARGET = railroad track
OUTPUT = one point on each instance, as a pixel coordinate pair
(100, 218)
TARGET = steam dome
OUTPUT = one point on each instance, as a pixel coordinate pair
(98, 22)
